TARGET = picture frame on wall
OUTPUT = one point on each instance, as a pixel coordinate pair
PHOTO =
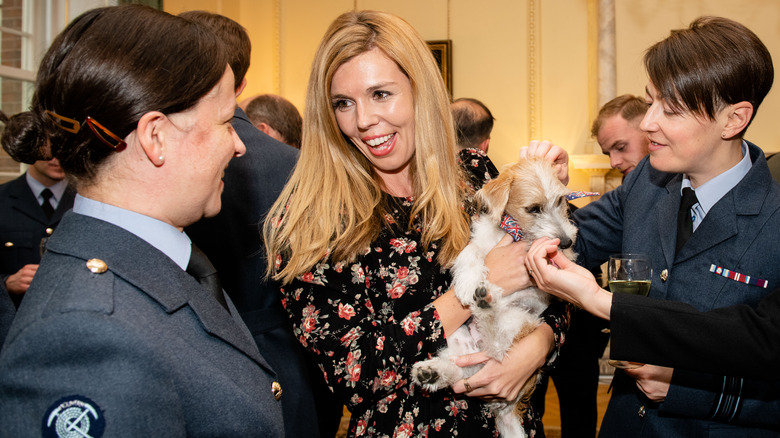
(442, 52)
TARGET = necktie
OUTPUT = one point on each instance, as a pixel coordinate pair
(201, 268)
(46, 206)
(684, 220)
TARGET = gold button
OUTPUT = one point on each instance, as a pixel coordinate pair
(97, 266)
(8, 244)
(642, 411)
(664, 274)
(49, 231)
(276, 390)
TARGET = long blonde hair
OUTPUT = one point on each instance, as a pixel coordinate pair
(332, 205)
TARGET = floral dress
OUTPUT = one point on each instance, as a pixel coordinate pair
(367, 322)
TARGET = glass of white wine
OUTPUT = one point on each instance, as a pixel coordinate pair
(629, 274)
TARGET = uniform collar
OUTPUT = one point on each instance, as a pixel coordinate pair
(709, 193)
(165, 237)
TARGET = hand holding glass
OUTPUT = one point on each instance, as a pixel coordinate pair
(629, 274)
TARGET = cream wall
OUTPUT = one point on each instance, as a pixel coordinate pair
(530, 61)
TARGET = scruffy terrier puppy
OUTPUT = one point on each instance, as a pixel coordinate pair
(528, 201)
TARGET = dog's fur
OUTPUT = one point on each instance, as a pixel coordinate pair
(530, 192)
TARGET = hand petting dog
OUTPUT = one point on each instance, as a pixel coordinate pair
(553, 153)
(557, 275)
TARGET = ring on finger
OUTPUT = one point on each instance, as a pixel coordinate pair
(467, 386)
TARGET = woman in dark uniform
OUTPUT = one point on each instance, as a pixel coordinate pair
(115, 336)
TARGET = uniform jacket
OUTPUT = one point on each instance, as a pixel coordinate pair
(22, 226)
(739, 233)
(233, 242)
(137, 348)
(646, 331)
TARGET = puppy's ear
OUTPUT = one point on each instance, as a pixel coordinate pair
(494, 195)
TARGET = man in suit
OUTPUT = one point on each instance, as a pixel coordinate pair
(28, 217)
(277, 117)
(616, 128)
(233, 243)
(473, 123)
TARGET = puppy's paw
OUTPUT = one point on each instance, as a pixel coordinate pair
(435, 374)
(424, 375)
(465, 296)
(482, 297)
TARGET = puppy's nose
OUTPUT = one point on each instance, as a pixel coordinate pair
(565, 243)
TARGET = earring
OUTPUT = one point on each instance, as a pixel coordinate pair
(162, 159)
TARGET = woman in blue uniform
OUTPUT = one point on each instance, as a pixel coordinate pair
(706, 83)
(115, 336)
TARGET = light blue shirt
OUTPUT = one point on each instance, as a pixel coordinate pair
(165, 237)
(37, 187)
(709, 193)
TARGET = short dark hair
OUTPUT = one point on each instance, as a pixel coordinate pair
(713, 63)
(278, 113)
(627, 105)
(23, 137)
(233, 36)
(116, 64)
(473, 122)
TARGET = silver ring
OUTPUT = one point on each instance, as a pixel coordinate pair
(466, 384)
(530, 271)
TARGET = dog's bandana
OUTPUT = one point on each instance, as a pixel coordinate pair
(510, 225)
(576, 195)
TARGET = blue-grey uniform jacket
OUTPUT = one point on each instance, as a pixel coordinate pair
(741, 233)
(114, 339)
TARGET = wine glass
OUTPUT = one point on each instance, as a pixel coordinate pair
(629, 274)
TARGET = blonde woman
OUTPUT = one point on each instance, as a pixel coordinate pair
(361, 236)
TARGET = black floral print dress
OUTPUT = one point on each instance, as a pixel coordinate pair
(367, 322)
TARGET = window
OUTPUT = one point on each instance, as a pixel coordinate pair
(23, 30)
(27, 27)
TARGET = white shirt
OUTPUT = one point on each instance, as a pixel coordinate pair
(37, 187)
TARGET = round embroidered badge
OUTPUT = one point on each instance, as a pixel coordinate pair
(74, 416)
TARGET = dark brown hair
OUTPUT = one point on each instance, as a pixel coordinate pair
(713, 63)
(115, 64)
(278, 113)
(233, 36)
(627, 105)
(23, 137)
(472, 126)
